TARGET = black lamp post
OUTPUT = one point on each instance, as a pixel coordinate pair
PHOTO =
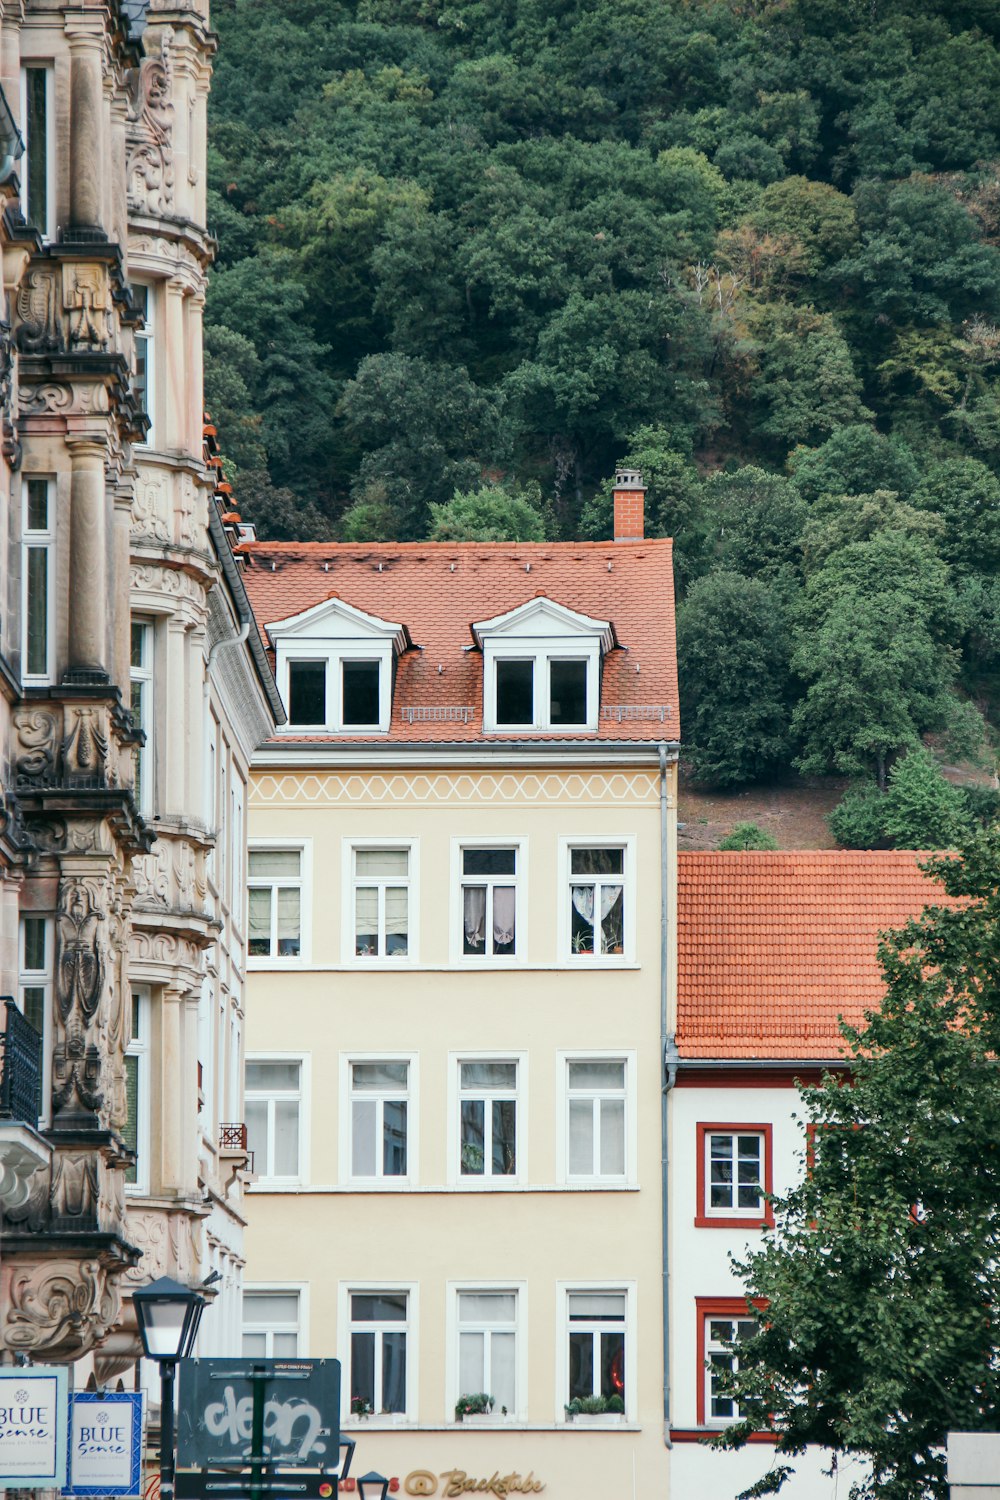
(372, 1486)
(168, 1315)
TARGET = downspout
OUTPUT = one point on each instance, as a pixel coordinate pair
(668, 1055)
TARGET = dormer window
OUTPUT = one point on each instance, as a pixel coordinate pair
(542, 669)
(334, 668)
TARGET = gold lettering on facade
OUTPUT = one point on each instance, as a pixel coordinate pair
(457, 1482)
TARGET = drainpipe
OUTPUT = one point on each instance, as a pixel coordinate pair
(668, 1055)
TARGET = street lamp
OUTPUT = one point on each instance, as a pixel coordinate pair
(168, 1315)
(372, 1486)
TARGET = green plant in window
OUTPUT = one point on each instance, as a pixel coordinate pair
(476, 1404)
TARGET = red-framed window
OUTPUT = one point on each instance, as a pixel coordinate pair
(735, 1173)
(721, 1321)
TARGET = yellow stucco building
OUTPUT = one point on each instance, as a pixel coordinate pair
(461, 871)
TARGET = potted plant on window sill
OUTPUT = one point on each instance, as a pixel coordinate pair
(596, 1411)
(476, 1410)
(361, 1408)
(583, 944)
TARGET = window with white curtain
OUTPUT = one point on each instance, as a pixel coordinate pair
(597, 901)
(275, 899)
(596, 1100)
(487, 1347)
(273, 1107)
(489, 902)
(271, 1324)
(381, 902)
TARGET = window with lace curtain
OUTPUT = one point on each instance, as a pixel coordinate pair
(597, 895)
(275, 883)
(381, 902)
(489, 890)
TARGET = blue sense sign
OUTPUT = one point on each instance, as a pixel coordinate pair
(33, 1427)
(105, 1443)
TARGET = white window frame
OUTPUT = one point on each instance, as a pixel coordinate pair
(296, 649)
(304, 848)
(380, 1182)
(563, 1095)
(304, 1061)
(411, 1289)
(280, 1289)
(40, 979)
(239, 902)
(46, 66)
(564, 927)
(147, 336)
(139, 1047)
(486, 1183)
(519, 1290)
(705, 1343)
(43, 541)
(517, 959)
(542, 652)
(349, 847)
(563, 1328)
(144, 678)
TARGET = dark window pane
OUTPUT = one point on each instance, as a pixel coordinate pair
(581, 1364)
(361, 704)
(504, 1158)
(130, 1132)
(613, 1364)
(34, 943)
(394, 1138)
(473, 1125)
(597, 861)
(38, 611)
(38, 505)
(363, 1366)
(568, 692)
(378, 1307)
(307, 692)
(515, 692)
(394, 1372)
(488, 861)
(36, 130)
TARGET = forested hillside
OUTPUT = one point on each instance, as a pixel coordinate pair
(489, 248)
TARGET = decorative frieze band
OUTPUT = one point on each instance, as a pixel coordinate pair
(438, 789)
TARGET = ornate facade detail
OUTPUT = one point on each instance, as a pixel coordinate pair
(87, 301)
(171, 1244)
(149, 165)
(35, 400)
(149, 510)
(36, 732)
(80, 972)
(332, 788)
(37, 330)
(61, 1307)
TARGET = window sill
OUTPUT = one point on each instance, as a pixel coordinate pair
(273, 1186)
(282, 964)
(703, 1221)
(363, 1424)
(383, 1420)
(699, 1434)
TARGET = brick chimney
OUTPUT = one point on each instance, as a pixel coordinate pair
(630, 500)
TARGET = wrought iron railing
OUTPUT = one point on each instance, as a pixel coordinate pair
(233, 1137)
(20, 1066)
(437, 713)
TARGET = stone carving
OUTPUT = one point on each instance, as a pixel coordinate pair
(18, 1164)
(76, 1058)
(185, 511)
(61, 1308)
(84, 745)
(152, 885)
(87, 300)
(75, 1187)
(36, 738)
(148, 507)
(38, 400)
(149, 161)
(170, 1244)
(37, 327)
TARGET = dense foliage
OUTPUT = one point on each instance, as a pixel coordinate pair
(753, 248)
(881, 1280)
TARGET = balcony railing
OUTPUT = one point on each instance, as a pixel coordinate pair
(233, 1144)
(20, 1065)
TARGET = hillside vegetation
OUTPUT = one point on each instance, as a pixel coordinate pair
(491, 248)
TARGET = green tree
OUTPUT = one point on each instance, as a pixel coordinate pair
(855, 460)
(881, 1278)
(732, 648)
(490, 514)
(922, 809)
(966, 495)
(858, 820)
(748, 836)
(821, 219)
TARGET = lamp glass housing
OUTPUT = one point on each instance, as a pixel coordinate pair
(168, 1315)
(372, 1486)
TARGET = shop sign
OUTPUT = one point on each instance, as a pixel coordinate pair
(105, 1443)
(301, 1406)
(457, 1482)
(33, 1416)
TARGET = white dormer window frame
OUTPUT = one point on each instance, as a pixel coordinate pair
(335, 635)
(545, 634)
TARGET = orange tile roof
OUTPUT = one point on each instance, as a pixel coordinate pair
(438, 589)
(773, 947)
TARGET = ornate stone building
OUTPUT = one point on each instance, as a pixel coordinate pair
(134, 683)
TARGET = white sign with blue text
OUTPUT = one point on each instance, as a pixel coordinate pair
(105, 1443)
(33, 1427)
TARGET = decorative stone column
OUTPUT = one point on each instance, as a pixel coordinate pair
(176, 404)
(174, 1104)
(86, 144)
(88, 564)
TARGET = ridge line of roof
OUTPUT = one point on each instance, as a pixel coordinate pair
(366, 547)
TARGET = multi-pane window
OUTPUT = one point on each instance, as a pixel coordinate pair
(735, 1172)
(597, 1344)
(271, 1324)
(543, 692)
(273, 1116)
(307, 693)
(143, 297)
(37, 552)
(378, 1327)
(381, 886)
(336, 693)
(597, 901)
(36, 164)
(596, 1099)
(488, 1119)
(720, 1335)
(379, 1111)
(275, 903)
(487, 1347)
(136, 1131)
(35, 990)
(489, 902)
(141, 684)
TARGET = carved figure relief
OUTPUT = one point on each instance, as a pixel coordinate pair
(76, 1058)
(61, 1307)
(84, 745)
(37, 327)
(87, 301)
(149, 161)
(148, 507)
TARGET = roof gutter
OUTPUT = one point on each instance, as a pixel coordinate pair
(322, 753)
(668, 1053)
(757, 1064)
(237, 588)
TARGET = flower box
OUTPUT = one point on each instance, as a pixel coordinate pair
(598, 1419)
